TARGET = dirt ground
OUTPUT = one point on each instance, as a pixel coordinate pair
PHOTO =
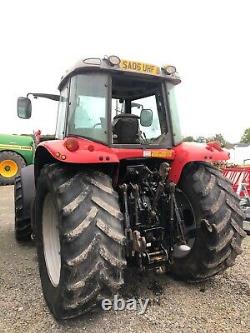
(219, 305)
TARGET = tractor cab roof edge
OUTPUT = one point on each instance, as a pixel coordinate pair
(121, 66)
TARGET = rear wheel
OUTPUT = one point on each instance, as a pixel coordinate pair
(10, 166)
(80, 239)
(213, 225)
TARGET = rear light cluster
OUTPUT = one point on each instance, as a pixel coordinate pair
(71, 144)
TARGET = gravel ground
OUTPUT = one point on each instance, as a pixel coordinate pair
(219, 305)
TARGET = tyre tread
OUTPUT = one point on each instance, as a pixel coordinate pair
(92, 237)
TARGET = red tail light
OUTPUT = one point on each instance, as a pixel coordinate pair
(71, 144)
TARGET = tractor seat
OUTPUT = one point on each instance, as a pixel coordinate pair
(126, 128)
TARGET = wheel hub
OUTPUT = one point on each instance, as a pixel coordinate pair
(51, 240)
(8, 168)
(188, 224)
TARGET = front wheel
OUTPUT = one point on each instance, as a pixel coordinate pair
(80, 239)
(213, 223)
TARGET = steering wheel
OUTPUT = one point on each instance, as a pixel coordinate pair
(98, 124)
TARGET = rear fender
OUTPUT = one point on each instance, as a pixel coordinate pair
(188, 152)
(88, 152)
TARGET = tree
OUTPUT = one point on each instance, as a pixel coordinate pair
(189, 139)
(201, 139)
(246, 136)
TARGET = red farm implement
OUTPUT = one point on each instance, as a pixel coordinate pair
(240, 178)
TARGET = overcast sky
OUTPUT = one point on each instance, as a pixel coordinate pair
(208, 42)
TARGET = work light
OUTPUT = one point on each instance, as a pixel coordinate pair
(169, 69)
(114, 60)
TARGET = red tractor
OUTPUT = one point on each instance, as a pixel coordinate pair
(117, 186)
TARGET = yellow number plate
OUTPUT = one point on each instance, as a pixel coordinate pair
(162, 153)
(141, 67)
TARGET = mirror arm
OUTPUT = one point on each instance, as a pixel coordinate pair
(41, 95)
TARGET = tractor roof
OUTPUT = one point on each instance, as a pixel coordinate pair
(119, 66)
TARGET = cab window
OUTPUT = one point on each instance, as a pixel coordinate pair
(61, 113)
(87, 110)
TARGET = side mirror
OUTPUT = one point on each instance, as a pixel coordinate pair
(146, 117)
(24, 107)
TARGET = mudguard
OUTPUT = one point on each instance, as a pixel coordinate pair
(88, 152)
(188, 152)
(28, 189)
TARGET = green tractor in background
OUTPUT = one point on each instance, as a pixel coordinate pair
(16, 152)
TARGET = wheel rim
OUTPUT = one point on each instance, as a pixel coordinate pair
(51, 240)
(8, 168)
(187, 215)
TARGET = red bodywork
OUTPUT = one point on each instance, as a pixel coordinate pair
(188, 152)
(239, 175)
(91, 152)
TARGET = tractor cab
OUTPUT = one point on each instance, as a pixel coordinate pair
(118, 102)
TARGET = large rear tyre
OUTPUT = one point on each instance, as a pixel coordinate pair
(22, 225)
(218, 222)
(10, 167)
(80, 239)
